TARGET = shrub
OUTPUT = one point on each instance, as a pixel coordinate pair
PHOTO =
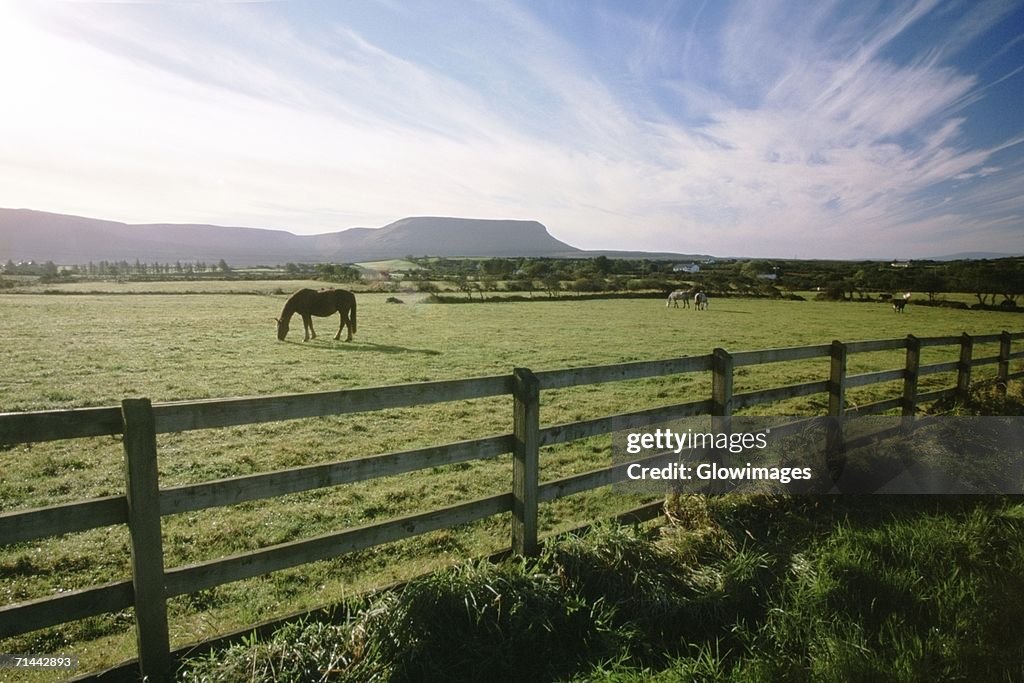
(486, 622)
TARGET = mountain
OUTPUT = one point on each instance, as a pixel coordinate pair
(27, 235)
(452, 237)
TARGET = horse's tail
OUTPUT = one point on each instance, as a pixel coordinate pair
(353, 318)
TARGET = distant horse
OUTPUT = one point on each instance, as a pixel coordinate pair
(700, 301)
(899, 304)
(309, 302)
(675, 297)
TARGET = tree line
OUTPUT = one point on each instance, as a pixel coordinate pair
(50, 271)
(992, 282)
(996, 282)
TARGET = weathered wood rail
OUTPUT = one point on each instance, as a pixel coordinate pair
(144, 502)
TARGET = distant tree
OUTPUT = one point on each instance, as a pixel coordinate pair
(980, 279)
(552, 284)
(930, 281)
(498, 267)
(834, 291)
(339, 273)
(603, 265)
(488, 283)
(587, 284)
(48, 272)
(223, 266)
(536, 268)
(464, 284)
(618, 283)
(521, 285)
(755, 267)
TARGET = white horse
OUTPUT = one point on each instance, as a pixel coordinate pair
(700, 301)
(675, 297)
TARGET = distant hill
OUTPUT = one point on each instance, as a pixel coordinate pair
(973, 256)
(27, 235)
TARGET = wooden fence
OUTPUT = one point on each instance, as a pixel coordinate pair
(144, 502)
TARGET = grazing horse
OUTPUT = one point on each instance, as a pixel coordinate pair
(899, 304)
(309, 302)
(700, 301)
(675, 297)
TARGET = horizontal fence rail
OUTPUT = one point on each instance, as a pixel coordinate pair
(257, 486)
(779, 355)
(188, 415)
(285, 555)
(144, 503)
(63, 519)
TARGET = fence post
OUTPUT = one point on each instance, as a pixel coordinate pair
(143, 493)
(721, 395)
(1003, 373)
(837, 380)
(963, 373)
(525, 460)
(910, 375)
(835, 456)
(721, 383)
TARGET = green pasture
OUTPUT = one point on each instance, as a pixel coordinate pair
(395, 264)
(216, 339)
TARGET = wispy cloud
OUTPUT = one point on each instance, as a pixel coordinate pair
(752, 129)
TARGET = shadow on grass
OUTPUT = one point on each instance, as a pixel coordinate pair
(354, 346)
(718, 309)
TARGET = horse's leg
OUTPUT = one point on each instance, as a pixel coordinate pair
(307, 324)
(341, 326)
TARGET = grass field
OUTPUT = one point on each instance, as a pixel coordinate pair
(218, 340)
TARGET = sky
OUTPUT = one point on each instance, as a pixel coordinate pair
(814, 129)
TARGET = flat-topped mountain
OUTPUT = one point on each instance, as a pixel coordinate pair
(27, 235)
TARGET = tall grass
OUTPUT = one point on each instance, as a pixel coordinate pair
(919, 590)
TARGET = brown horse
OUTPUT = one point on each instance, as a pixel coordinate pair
(309, 302)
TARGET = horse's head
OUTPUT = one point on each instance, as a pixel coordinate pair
(282, 328)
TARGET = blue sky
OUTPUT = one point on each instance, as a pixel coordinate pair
(774, 129)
